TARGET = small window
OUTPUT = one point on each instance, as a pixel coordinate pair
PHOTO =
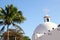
(44, 33)
(48, 30)
(59, 25)
(53, 28)
(47, 20)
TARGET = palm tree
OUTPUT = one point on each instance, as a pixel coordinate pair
(10, 15)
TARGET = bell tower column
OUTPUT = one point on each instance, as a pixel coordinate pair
(46, 18)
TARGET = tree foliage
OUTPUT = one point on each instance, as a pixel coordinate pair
(26, 38)
(11, 15)
(13, 35)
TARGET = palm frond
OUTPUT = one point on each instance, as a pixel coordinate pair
(19, 19)
(2, 28)
(20, 12)
(2, 11)
(2, 17)
(18, 27)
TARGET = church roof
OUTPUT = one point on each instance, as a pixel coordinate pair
(46, 16)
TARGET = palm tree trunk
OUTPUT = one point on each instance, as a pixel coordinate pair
(15, 37)
(7, 32)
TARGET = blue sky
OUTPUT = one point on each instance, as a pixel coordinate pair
(33, 11)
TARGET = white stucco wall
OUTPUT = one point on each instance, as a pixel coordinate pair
(53, 35)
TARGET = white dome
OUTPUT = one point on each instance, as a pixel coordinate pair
(52, 35)
(43, 28)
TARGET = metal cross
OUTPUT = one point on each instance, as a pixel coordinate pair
(46, 11)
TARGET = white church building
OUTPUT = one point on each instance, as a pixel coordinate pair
(47, 30)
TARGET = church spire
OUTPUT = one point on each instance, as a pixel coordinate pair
(46, 17)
